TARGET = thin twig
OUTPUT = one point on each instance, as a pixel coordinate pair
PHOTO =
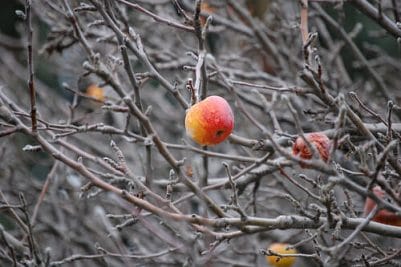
(31, 85)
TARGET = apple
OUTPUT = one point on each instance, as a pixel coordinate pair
(317, 139)
(210, 121)
(281, 248)
(382, 216)
(206, 7)
(96, 92)
(258, 8)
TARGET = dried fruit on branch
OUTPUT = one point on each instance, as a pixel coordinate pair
(382, 216)
(318, 140)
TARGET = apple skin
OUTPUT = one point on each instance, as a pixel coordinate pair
(206, 7)
(382, 216)
(319, 140)
(210, 121)
(281, 248)
(96, 92)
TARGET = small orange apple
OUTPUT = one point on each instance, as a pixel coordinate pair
(205, 6)
(382, 216)
(210, 121)
(281, 248)
(258, 8)
(96, 92)
(319, 140)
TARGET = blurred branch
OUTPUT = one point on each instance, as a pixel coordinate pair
(368, 9)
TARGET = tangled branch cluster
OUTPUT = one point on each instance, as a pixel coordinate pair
(109, 178)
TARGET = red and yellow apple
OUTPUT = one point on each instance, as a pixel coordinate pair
(319, 140)
(382, 216)
(210, 121)
(282, 249)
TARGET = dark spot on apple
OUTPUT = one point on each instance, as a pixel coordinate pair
(219, 133)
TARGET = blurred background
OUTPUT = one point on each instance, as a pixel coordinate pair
(72, 220)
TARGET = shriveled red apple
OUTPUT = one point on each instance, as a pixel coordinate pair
(318, 139)
(383, 215)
